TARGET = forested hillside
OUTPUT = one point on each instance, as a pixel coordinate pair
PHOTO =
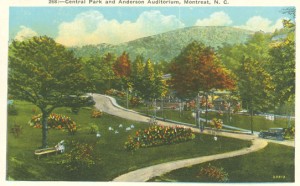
(165, 46)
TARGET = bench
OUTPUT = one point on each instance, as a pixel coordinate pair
(46, 151)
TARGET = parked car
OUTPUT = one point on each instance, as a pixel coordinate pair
(277, 133)
(83, 100)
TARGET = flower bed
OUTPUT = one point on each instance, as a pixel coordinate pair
(114, 92)
(214, 173)
(158, 135)
(80, 157)
(96, 113)
(55, 121)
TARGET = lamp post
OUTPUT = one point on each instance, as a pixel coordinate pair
(162, 107)
(127, 98)
(206, 107)
(180, 108)
(198, 111)
(205, 94)
(155, 108)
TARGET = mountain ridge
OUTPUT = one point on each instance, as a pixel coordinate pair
(165, 46)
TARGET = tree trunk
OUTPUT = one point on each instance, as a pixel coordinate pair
(127, 97)
(251, 121)
(162, 108)
(44, 129)
(109, 83)
(206, 110)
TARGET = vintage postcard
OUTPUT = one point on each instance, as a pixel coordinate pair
(157, 91)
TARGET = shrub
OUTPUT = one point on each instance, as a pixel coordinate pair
(290, 132)
(55, 121)
(237, 108)
(75, 110)
(16, 130)
(11, 109)
(94, 128)
(216, 123)
(203, 103)
(80, 157)
(131, 145)
(214, 173)
(96, 113)
(158, 135)
(114, 92)
(135, 101)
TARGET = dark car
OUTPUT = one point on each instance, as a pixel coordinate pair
(83, 100)
(277, 133)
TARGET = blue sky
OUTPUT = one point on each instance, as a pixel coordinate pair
(77, 26)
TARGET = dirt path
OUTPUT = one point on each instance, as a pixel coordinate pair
(110, 106)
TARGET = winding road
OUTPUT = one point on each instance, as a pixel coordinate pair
(108, 104)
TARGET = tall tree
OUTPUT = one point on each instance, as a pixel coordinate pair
(282, 63)
(137, 74)
(257, 47)
(255, 86)
(197, 68)
(148, 81)
(46, 74)
(106, 69)
(122, 66)
(92, 68)
(291, 11)
(160, 84)
(122, 70)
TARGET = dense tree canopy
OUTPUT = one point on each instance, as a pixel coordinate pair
(136, 76)
(46, 74)
(197, 68)
(122, 66)
(257, 47)
(282, 64)
(272, 53)
(255, 85)
(146, 80)
(99, 69)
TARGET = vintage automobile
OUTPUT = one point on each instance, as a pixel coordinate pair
(83, 100)
(277, 133)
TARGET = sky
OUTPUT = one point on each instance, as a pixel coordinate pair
(78, 26)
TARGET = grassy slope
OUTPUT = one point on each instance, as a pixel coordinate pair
(22, 165)
(275, 163)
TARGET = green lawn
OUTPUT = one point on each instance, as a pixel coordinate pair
(237, 120)
(275, 163)
(114, 160)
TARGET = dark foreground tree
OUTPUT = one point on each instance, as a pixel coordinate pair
(46, 74)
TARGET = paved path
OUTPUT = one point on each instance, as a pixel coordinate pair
(110, 106)
(144, 174)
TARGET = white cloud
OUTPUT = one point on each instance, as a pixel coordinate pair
(25, 33)
(93, 28)
(215, 19)
(258, 23)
